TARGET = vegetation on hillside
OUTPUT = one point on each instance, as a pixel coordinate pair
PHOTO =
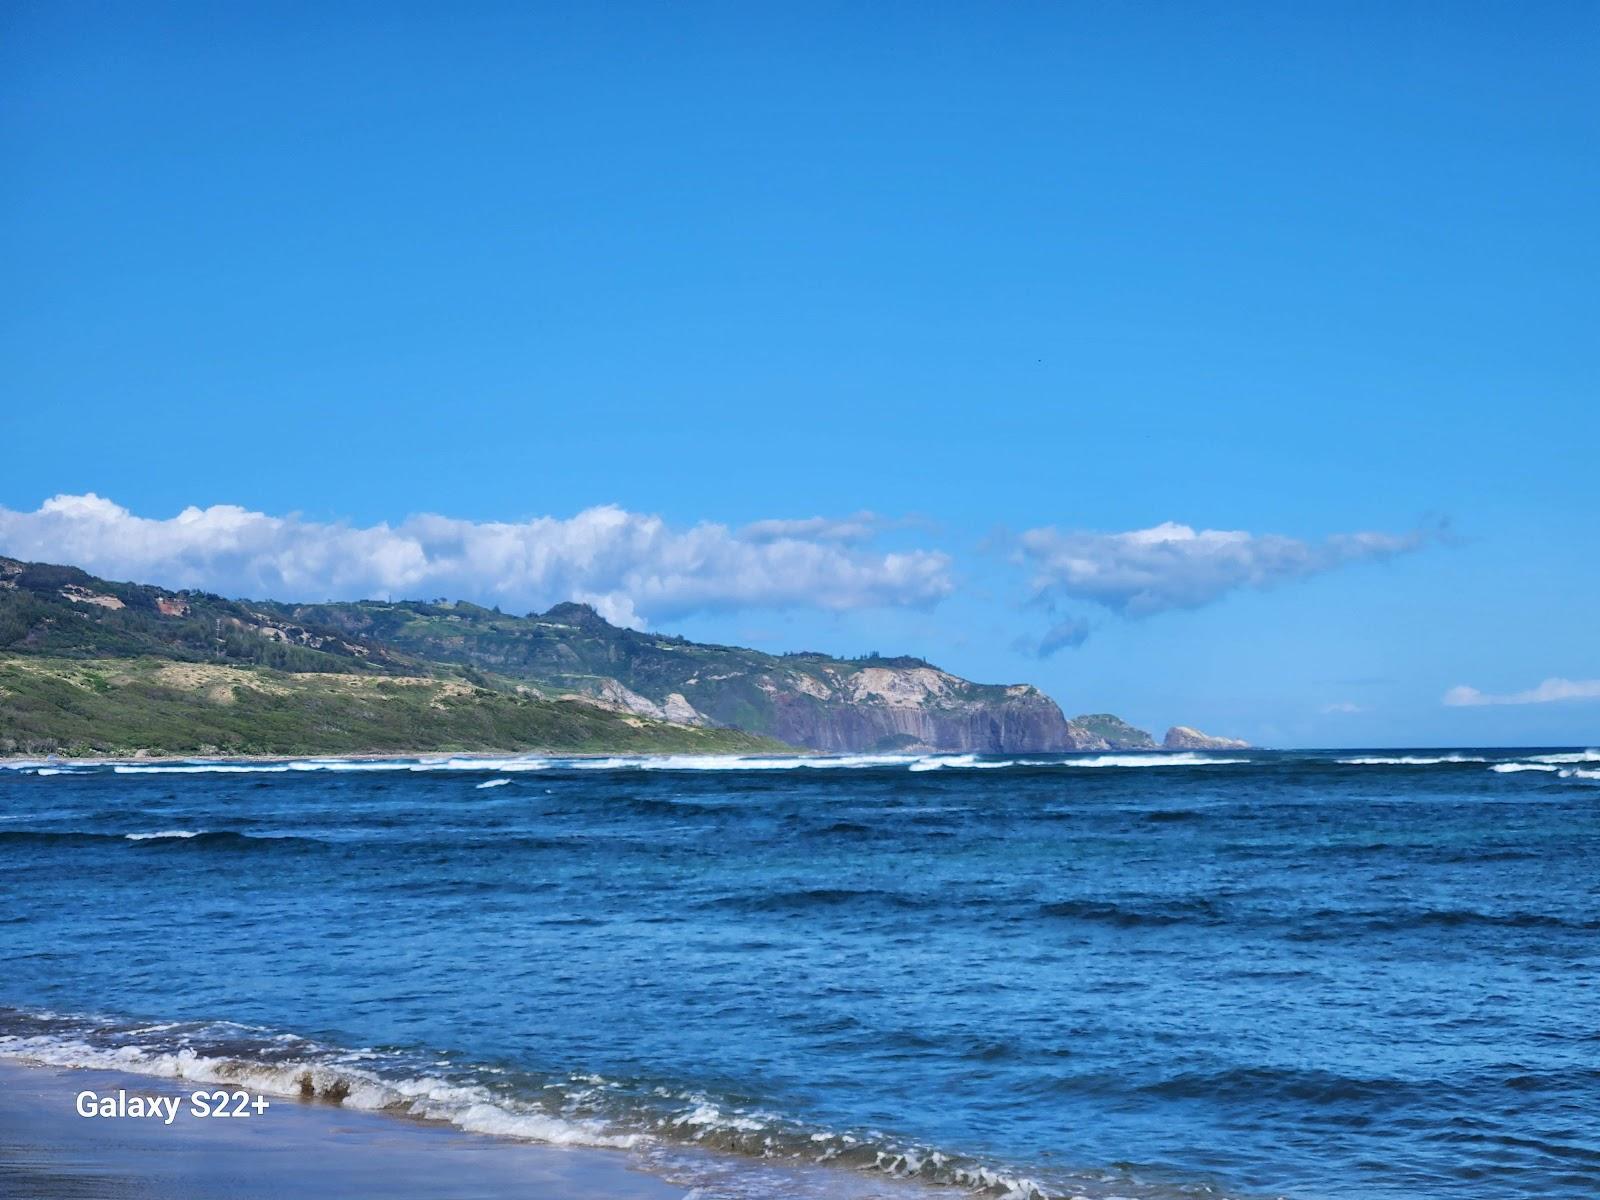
(571, 648)
(504, 662)
(1117, 732)
(65, 612)
(116, 706)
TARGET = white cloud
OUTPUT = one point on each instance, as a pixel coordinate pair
(1342, 708)
(630, 566)
(1548, 692)
(1171, 566)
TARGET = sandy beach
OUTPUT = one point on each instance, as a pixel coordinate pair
(49, 1152)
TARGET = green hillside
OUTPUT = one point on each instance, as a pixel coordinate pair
(113, 706)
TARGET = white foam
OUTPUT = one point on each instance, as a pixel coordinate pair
(489, 783)
(1582, 756)
(199, 768)
(1184, 759)
(707, 1116)
(471, 1108)
(724, 762)
(484, 764)
(345, 764)
(165, 833)
(964, 761)
(1580, 773)
(1513, 768)
(1411, 760)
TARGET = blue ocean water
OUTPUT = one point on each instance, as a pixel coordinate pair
(1319, 975)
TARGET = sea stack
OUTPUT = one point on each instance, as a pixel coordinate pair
(1183, 737)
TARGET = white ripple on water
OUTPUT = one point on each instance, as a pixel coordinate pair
(1160, 759)
(963, 761)
(1580, 756)
(1411, 760)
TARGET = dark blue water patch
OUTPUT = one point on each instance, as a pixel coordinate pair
(1170, 912)
(1294, 976)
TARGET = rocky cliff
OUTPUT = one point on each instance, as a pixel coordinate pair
(915, 708)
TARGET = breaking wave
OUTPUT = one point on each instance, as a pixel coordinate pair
(1578, 756)
(940, 761)
(658, 1124)
(1410, 760)
(1158, 759)
(663, 762)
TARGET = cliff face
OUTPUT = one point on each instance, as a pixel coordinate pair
(1182, 737)
(918, 708)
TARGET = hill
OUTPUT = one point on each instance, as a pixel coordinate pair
(1116, 732)
(120, 706)
(805, 699)
(504, 681)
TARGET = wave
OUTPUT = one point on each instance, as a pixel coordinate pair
(806, 899)
(1287, 1083)
(211, 838)
(940, 761)
(713, 762)
(277, 767)
(470, 1107)
(663, 762)
(915, 762)
(1544, 766)
(493, 783)
(1331, 923)
(1578, 756)
(1410, 760)
(1172, 912)
(1177, 759)
(198, 768)
(658, 1123)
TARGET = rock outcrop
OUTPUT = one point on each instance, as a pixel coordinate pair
(1117, 733)
(917, 708)
(1182, 737)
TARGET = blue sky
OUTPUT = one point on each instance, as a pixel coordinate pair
(979, 270)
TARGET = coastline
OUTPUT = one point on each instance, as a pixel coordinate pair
(486, 756)
(49, 1152)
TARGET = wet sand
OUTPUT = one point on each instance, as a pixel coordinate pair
(49, 1152)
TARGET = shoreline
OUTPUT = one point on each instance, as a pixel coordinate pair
(135, 759)
(49, 1152)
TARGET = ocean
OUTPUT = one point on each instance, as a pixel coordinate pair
(1320, 975)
